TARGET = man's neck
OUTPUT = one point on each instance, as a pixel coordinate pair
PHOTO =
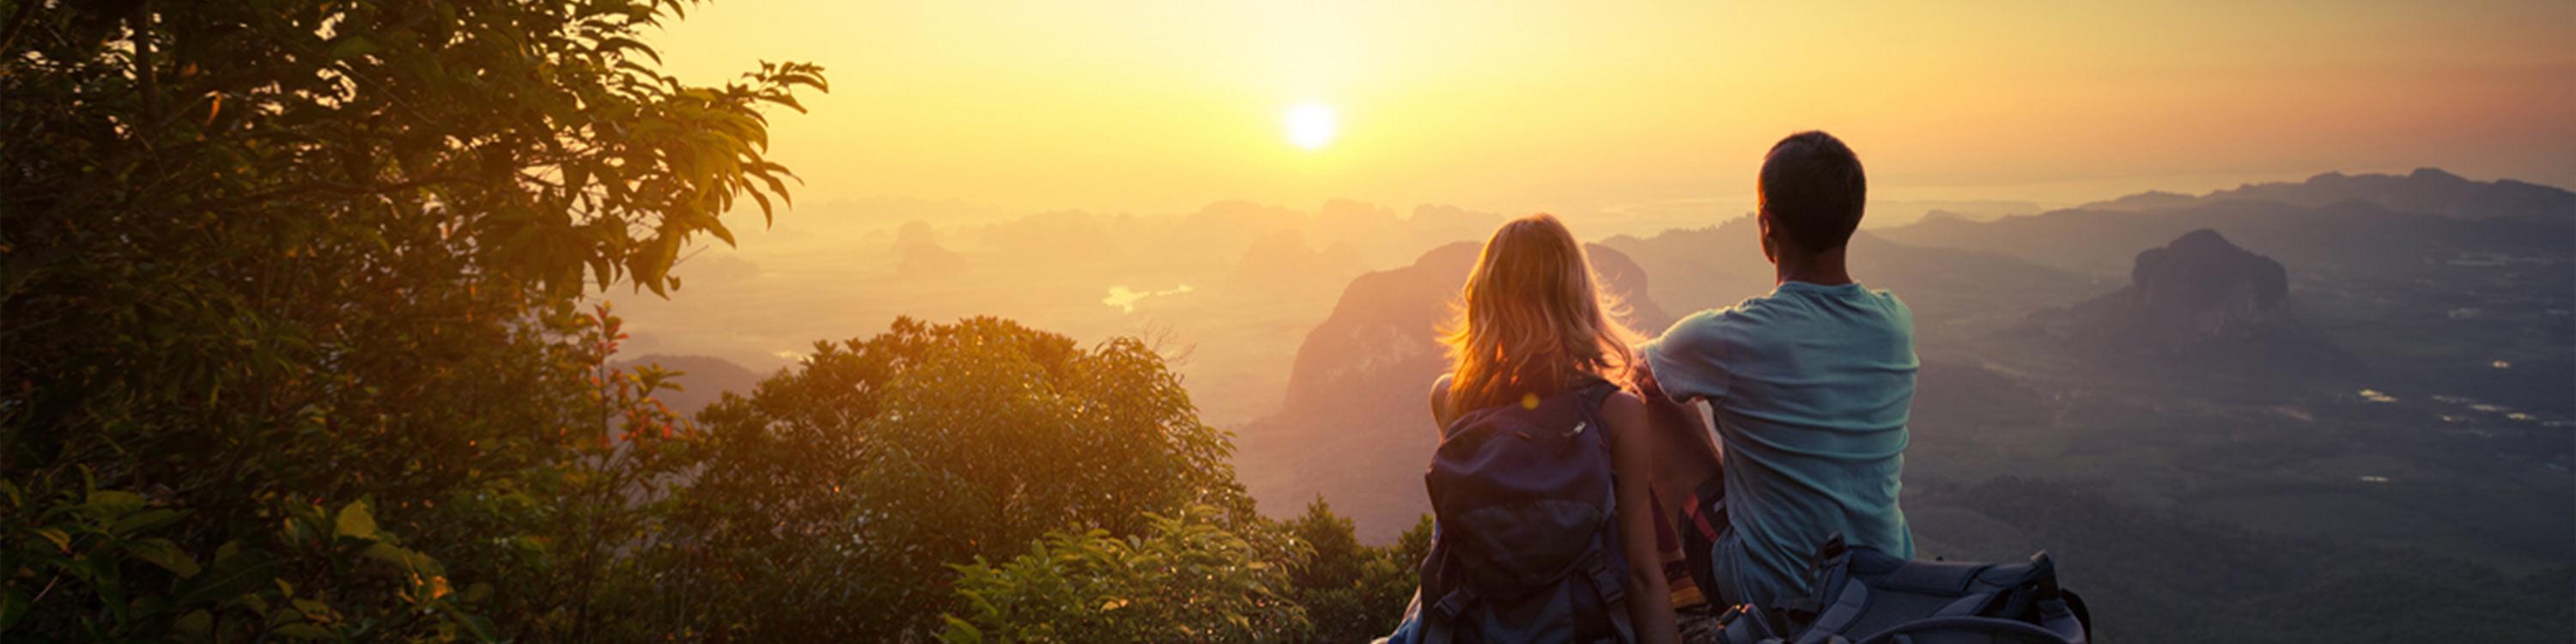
(1821, 269)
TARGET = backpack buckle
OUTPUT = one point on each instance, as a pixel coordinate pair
(1450, 605)
(1831, 551)
(1614, 588)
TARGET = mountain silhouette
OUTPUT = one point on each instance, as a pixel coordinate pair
(2430, 191)
(917, 252)
(703, 380)
(2201, 303)
(1948, 288)
(2427, 301)
(1355, 425)
(2343, 239)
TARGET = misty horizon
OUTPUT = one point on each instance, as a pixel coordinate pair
(810, 239)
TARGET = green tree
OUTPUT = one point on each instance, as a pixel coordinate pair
(829, 503)
(263, 259)
(1352, 592)
(1185, 579)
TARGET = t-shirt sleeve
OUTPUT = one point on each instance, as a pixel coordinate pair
(1689, 359)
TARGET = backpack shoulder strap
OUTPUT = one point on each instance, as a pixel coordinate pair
(1592, 392)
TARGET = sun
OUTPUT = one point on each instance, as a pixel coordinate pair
(1312, 125)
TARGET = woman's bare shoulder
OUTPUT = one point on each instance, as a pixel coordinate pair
(1623, 401)
(1440, 399)
(1624, 411)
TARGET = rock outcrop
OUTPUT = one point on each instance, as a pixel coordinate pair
(2200, 302)
(1354, 425)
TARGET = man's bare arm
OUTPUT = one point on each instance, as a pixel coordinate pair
(1686, 451)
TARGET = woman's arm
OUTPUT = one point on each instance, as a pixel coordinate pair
(1632, 460)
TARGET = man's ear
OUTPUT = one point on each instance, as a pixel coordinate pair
(1770, 249)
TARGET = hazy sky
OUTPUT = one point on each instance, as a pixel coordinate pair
(1584, 107)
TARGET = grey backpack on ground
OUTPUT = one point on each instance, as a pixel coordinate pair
(1863, 596)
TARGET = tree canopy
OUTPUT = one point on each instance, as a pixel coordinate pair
(831, 501)
(292, 346)
(267, 260)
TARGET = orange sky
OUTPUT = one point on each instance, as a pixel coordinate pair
(1586, 107)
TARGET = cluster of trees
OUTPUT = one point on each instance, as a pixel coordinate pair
(291, 347)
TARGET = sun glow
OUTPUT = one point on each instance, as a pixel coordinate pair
(1312, 125)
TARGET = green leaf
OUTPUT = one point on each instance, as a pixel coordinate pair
(230, 577)
(146, 520)
(56, 535)
(477, 625)
(167, 555)
(356, 521)
(313, 609)
(113, 503)
(351, 46)
(196, 625)
(960, 632)
(13, 606)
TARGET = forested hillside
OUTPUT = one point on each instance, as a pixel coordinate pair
(290, 350)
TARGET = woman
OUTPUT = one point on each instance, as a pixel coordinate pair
(1532, 323)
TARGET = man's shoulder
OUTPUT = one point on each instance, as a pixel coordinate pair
(1747, 310)
(1888, 297)
(1899, 316)
(1708, 324)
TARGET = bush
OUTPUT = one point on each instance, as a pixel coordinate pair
(1351, 592)
(829, 503)
(1185, 579)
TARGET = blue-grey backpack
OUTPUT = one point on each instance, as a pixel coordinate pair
(1863, 596)
(1527, 548)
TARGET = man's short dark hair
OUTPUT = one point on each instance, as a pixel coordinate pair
(1814, 190)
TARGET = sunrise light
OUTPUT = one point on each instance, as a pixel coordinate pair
(1312, 125)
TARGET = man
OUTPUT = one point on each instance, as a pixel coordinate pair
(1810, 383)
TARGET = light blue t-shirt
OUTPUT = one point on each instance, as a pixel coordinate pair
(1811, 385)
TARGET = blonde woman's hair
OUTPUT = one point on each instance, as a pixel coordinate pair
(1532, 319)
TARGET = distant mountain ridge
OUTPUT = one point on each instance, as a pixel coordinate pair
(703, 380)
(1721, 265)
(2431, 191)
(2343, 238)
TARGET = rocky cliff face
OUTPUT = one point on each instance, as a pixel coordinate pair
(1354, 425)
(2201, 302)
(1384, 333)
(2196, 289)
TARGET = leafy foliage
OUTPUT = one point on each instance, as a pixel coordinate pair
(1352, 592)
(892, 457)
(280, 281)
(95, 547)
(263, 258)
(1185, 579)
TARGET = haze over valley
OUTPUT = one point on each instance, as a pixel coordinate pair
(2372, 362)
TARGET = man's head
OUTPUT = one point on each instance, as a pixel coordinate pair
(1812, 193)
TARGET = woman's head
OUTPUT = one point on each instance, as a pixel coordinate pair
(1531, 317)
